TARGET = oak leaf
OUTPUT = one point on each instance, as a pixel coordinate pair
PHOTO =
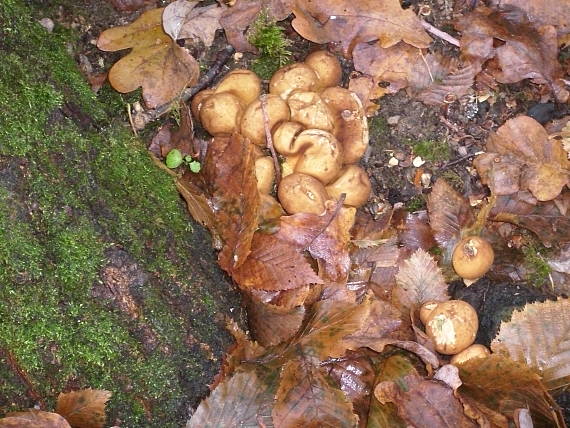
(520, 156)
(549, 220)
(306, 398)
(33, 419)
(156, 62)
(419, 280)
(431, 78)
(274, 264)
(539, 335)
(183, 20)
(351, 22)
(84, 408)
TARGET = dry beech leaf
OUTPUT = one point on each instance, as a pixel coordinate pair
(520, 156)
(197, 203)
(245, 399)
(33, 419)
(156, 62)
(499, 384)
(236, 19)
(352, 22)
(543, 218)
(326, 237)
(527, 52)
(229, 170)
(422, 402)
(419, 280)
(539, 335)
(431, 78)
(414, 231)
(274, 264)
(306, 398)
(84, 408)
(182, 20)
(449, 213)
(270, 325)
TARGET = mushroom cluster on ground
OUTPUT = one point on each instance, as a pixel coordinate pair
(318, 129)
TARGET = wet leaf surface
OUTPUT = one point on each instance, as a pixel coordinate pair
(84, 408)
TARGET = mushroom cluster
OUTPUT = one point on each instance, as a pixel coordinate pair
(452, 326)
(318, 128)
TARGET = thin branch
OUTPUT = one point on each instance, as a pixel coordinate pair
(144, 117)
(269, 139)
(441, 34)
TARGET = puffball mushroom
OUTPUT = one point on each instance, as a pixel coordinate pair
(309, 109)
(252, 123)
(220, 114)
(472, 257)
(198, 100)
(350, 124)
(265, 173)
(354, 182)
(426, 309)
(473, 351)
(244, 84)
(326, 67)
(292, 77)
(320, 154)
(452, 325)
(284, 137)
(301, 193)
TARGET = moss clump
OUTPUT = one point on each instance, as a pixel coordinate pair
(378, 128)
(273, 46)
(538, 268)
(435, 151)
(417, 203)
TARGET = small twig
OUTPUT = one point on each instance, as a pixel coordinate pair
(269, 139)
(142, 118)
(333, 216)
(456, 161)
(441, 34)
(427, 65)
(131, 120)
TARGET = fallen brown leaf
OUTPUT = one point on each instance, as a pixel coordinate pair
(353, 22)
(419, 280)
(33, 419)
(502, 385)
(274, 264)
(306, 398)
(539, 335)
(528, 52)
(449, 213)
(156, 62)
(183, 20)
(84, 408)
(520, 156)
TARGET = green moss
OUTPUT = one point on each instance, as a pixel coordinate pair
(417, 203)
(538, 268)
(453, 179)
(434, 151)
(273, 46)
(378, 128)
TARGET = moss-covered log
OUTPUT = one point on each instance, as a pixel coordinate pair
(104, 280)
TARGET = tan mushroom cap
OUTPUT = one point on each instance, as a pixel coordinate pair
(326, 66)
(220, 114)
(252, 124)
(292, 77)
(198, 100)
(301, 193)
(473, 351)
(350, 123)
(284, 137)
(320, 154)
(244, 84)
(309, 109)
(265, 174)
(452, 325)
(354, 182)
